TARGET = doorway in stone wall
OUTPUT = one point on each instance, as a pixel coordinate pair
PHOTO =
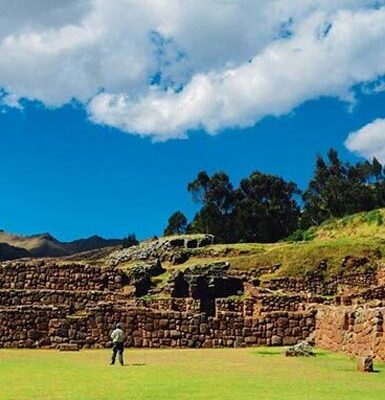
(207, 306)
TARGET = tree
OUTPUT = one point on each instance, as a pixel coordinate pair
(130, 240)
(338, 188)
(217, 197)
(266, 209)
(177, 224)
(198, 187)
(262, 209)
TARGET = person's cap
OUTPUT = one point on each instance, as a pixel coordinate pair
(118, 325)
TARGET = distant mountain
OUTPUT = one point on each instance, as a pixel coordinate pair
(8, 252)
(14, 246)
(91, 243)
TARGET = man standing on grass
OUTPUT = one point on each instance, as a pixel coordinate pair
(117, 337)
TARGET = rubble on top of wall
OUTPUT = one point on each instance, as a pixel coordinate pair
(205, 281)
(174, 249)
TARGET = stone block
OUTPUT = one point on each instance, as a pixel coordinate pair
(365, 364)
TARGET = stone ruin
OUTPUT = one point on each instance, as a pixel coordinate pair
(365, 364)
(62, 304)
(205, 281)
(302, 349)
(50, 305)
(177, 250)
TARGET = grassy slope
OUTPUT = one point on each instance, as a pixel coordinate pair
(362, 225)
(223, 374)
(358, 235)
(295, 258)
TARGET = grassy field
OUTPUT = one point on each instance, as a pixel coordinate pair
(225, 374)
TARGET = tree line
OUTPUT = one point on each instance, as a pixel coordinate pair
(266, 208)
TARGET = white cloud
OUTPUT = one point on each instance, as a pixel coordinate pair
(369, 141)
(9, 100)
(218, 63)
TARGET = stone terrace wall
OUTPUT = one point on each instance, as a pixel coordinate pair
(59, 277)
(28, 326)
(358, 279)
(76, 300)
(318, 285)
(356, 330)
(46, 304)
(374, 293)
(266, 303)
(171, 304)
(40, 326)
(314, 285)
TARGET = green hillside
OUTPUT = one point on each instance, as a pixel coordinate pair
(358, 235)
(362, 225)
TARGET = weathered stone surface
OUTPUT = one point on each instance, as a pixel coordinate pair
(49, 275)
(40, 326)
(163, 249)
(355, 272)
(302, 349)
(68, 347)
(276, 340)
(205, 281)
(46, 305)
(356, 330)
(365, 364)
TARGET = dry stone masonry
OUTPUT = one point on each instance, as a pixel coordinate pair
(176, 250)
(64, 305)
(59, 277)
(356, 330)
(46, 305)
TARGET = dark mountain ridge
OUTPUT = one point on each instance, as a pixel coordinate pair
(13, 246)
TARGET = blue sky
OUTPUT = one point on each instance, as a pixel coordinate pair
(63, 174)
(109, 108)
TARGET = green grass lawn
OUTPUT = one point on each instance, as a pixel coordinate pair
(225, 374)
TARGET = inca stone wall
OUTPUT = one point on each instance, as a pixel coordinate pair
(75, 300)
(44, 326)
(47, 305)
(356, 330)
(317, 284)
(59, 277)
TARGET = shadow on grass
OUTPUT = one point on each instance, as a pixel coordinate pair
(267, 353)
(280, 351)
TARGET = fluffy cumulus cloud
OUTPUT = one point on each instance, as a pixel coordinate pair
(162, 68)
(369, 141)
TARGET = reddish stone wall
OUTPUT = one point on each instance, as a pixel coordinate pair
(171, 304)
(27, 326)
(261, 304)
(39, 326)
(45, 305)
(59, 277)
(358, 279)
(76, 300)
(356, 330)
(314, 285)
(318, 285)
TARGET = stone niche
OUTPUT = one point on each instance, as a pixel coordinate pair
(205, 283)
